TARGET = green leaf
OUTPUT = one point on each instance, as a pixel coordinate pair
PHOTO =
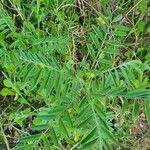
(140, 26)
(118, 18)
(39, 127)
(63, 128)
(117, 78)
(89, 136)
(46, 83)
(107, 146)
(29, 73)
(54, 137)
(95, 40)
(114, 43)
(23, 71)
(109, 12)
(147, 109)
(121, 27)
(46, 2)
(104, 3)
(85, 122)
(46, 144)
(58, 82)
(102, 116)
(110, 50)
(23, 101)
(38, 6)
(100, 112)
(119, 91)
(138, 93)
(25, 147)
(136, 108)
(91, 51)
(6, 92)
(69, 119)
(125, 105)
(125, 75)
(143, 5)
(107, 134)
(48, 115)
(17, 2)
(118, 33)
(7, 83)
(98, 32)
(88, 144)
(30, 138)
(36, 79)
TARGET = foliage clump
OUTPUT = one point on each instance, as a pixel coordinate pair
(71, 80)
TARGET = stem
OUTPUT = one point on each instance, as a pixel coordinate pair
(94, 115)
(75, 146)
(4, 136)
(130, 11)
(99, 54)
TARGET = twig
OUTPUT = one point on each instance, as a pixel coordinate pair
(4, 136)
(75, 146)
(130, 11)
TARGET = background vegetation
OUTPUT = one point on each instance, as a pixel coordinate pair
(75, 74)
